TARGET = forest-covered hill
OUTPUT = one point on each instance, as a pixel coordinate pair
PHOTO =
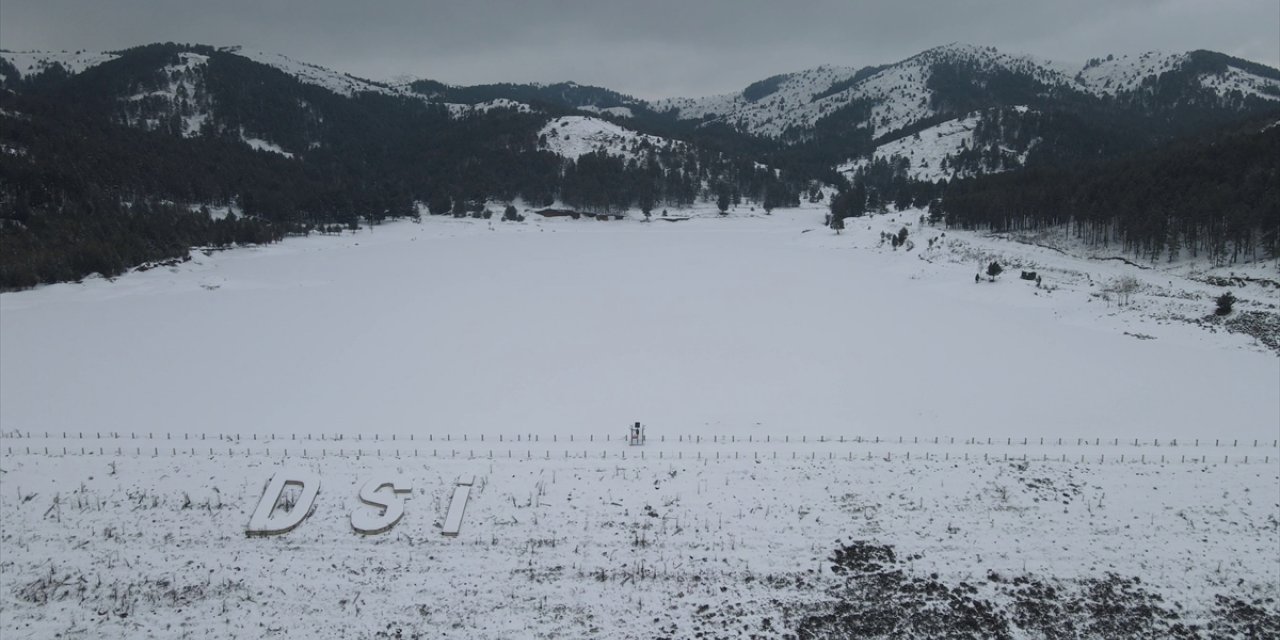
(113, 159)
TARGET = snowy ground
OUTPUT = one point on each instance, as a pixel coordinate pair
(802, 391)
(766, 325)
(133, 546)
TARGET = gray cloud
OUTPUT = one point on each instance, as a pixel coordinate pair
(651, 49)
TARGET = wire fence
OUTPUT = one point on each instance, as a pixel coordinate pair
(636, 454)
(1039, 441)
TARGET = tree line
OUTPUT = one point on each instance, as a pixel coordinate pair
(1216, 196)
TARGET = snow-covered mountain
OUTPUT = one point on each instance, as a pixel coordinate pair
(886, 101)
(912, 90)
(1114, 75)
(33, 63)
(335, 81)
(924, 109)
(349, 85)
(899, 94)
(781, 102)
(300, 145)
(175, 95)
(920, 112)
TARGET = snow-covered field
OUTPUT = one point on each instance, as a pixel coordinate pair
(810, 399)
(124, 546)
(743, 325)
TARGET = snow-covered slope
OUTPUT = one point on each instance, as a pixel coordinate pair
(337, 82)
(349, 85)
(899, 94)
(575, 136)
(460, 110)
(34, 62)
(1248, 84)
(182, 103)
(618, 112)
(1125, 73)
(931, 153)
(791, 104)
(926, 150)
(182, 96)
(29, 63)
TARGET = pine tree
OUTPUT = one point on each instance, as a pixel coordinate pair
(994, 269)
(439, 204)
(646, 203)
(1225, 302)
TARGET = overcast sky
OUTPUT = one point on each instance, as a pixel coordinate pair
(648, 48)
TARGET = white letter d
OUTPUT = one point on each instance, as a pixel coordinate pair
(267, 520)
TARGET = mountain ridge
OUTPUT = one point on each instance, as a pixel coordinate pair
(832, 115)
(294, 147)
(1093, 74)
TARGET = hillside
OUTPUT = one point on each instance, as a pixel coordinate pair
(575, 136)
(294, 147)
(1214, 196)
(933, 83)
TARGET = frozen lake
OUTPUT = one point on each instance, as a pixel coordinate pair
(746, 325)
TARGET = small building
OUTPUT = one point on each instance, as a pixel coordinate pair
(571, 213)
(559, 213)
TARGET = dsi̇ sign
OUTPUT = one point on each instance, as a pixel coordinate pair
(381, 504)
